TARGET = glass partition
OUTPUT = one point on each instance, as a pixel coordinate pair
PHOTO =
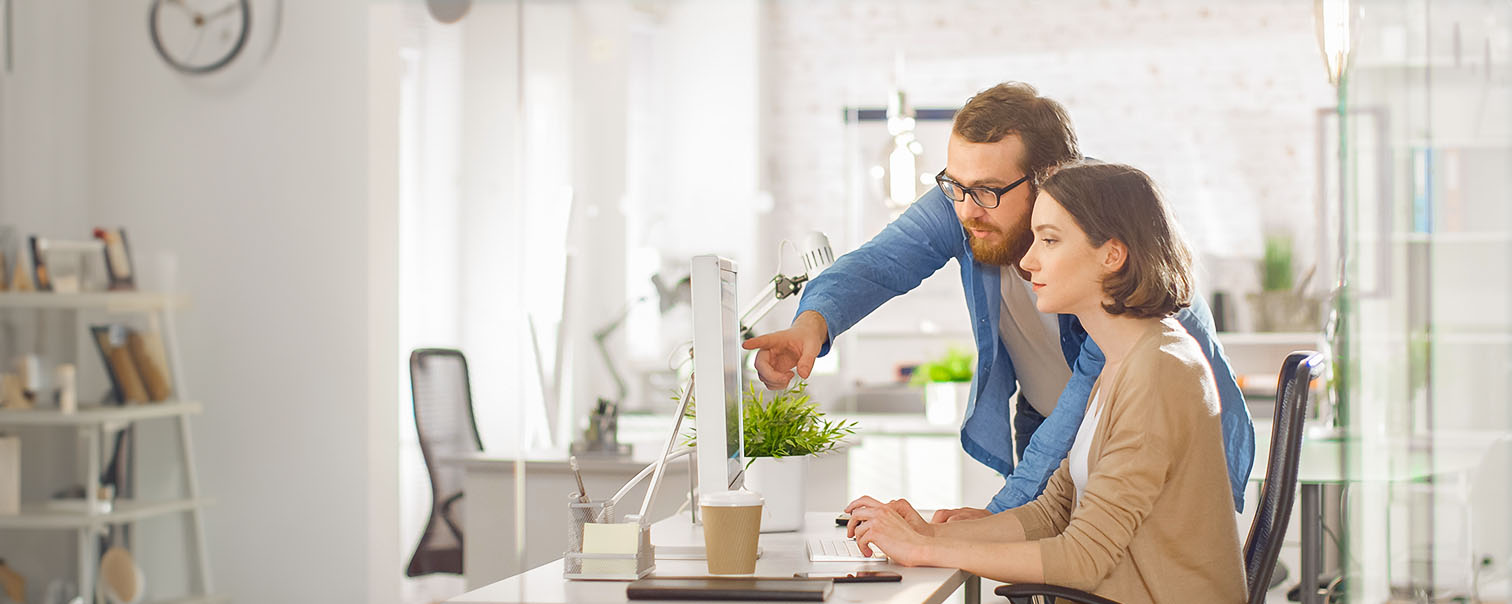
(1423, 338)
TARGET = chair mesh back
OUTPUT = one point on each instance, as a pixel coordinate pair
(1279, 490)
(444, 421)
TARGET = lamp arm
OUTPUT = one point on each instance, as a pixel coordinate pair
(778, 289)
(599, 339)
(661, 462)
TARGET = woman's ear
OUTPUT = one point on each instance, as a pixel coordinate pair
(1114, 255)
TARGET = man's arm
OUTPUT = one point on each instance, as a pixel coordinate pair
(1052, 441)
(1238, 428)
(906, 252)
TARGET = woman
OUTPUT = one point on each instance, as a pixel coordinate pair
(1141, 509)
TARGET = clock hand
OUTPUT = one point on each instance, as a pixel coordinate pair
(230, 8)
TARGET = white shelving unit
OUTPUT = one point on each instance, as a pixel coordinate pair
(93, 423)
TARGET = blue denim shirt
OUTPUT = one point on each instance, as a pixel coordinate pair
(919, 243)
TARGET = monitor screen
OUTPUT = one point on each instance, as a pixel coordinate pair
(717, 374)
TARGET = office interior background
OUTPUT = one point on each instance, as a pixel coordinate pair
(363, 179)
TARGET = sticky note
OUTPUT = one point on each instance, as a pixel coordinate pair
(620, 538)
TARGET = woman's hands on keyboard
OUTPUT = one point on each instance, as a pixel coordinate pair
(892, 528)
(904, 509)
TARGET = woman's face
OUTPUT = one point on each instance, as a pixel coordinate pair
(1066, 271)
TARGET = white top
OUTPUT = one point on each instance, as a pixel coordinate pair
(1084, 434)
(1033, 342)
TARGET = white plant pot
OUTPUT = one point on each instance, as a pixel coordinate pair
(945, 402)
(781, 483)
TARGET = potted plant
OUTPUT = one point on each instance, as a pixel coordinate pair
(1283, 303)
(782, 434)
(947, 383)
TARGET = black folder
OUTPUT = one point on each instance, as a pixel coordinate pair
(733, 588)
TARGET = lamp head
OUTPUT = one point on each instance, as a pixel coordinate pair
(817, 254)
(669, 295)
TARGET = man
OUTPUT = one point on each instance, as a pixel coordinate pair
(1004, 142)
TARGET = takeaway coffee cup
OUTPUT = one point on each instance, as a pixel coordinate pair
(731, 523)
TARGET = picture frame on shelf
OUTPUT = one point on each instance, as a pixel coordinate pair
(67, 266)
(118, 266)
(41, 279)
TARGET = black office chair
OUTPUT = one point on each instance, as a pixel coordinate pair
(1277, 493)
(444, 420)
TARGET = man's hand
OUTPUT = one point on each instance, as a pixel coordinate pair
(953, 515)
(901, 508)
(780, 353)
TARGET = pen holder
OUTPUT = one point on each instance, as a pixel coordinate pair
(600, 548)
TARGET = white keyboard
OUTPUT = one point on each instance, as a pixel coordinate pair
(821, 549)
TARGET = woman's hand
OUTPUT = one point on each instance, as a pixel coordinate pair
(886, 529)
(902, 507)
(954, 514)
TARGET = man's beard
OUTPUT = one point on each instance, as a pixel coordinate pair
(1006, 253)
(1009, 251)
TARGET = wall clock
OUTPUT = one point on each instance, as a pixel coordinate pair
(199, 36)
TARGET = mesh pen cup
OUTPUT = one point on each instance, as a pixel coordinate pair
(600, 548)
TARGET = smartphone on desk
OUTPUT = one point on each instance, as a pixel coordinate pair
(860, 576)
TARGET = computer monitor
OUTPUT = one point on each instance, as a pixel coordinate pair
(717, 375)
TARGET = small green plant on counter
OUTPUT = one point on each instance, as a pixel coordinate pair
(1276, 266)
(954, 366)
(788, 425)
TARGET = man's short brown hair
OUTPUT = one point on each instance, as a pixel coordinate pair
(1017, 108)
(1114, 201)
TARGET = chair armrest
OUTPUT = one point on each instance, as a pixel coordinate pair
(1024, 590)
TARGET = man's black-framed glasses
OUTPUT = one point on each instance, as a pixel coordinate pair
(987, 197)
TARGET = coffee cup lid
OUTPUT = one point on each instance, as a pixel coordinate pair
(740, 498)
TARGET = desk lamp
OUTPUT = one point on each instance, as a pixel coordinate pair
(817, 255)
(601, 435)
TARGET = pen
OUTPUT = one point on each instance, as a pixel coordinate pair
(582, 492)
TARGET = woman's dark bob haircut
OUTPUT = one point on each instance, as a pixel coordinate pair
(1114, 201)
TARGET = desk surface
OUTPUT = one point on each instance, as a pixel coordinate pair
(783, 554)
(1383, 459)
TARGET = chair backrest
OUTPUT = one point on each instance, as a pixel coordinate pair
(1279, 491)
(444, 420)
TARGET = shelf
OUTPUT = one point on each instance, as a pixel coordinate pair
(40, 516)
(1461, 237)
(1262, 338)
(207, 599)
(98, 414)
(106, 301)
(882, 334)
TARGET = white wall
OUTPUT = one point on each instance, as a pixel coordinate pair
(259, 180)
(44, 169)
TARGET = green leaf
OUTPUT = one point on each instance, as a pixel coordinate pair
(956, 365)
(790, 424)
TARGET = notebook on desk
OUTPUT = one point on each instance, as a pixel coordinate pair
(733, 588)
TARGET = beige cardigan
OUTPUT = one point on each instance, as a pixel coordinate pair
(1155, 522)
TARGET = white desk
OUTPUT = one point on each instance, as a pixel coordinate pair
(489, 508)
(783, 555)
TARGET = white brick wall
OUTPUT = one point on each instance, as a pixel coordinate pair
(1217, 100)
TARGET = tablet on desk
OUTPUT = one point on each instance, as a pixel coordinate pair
(733, 588)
